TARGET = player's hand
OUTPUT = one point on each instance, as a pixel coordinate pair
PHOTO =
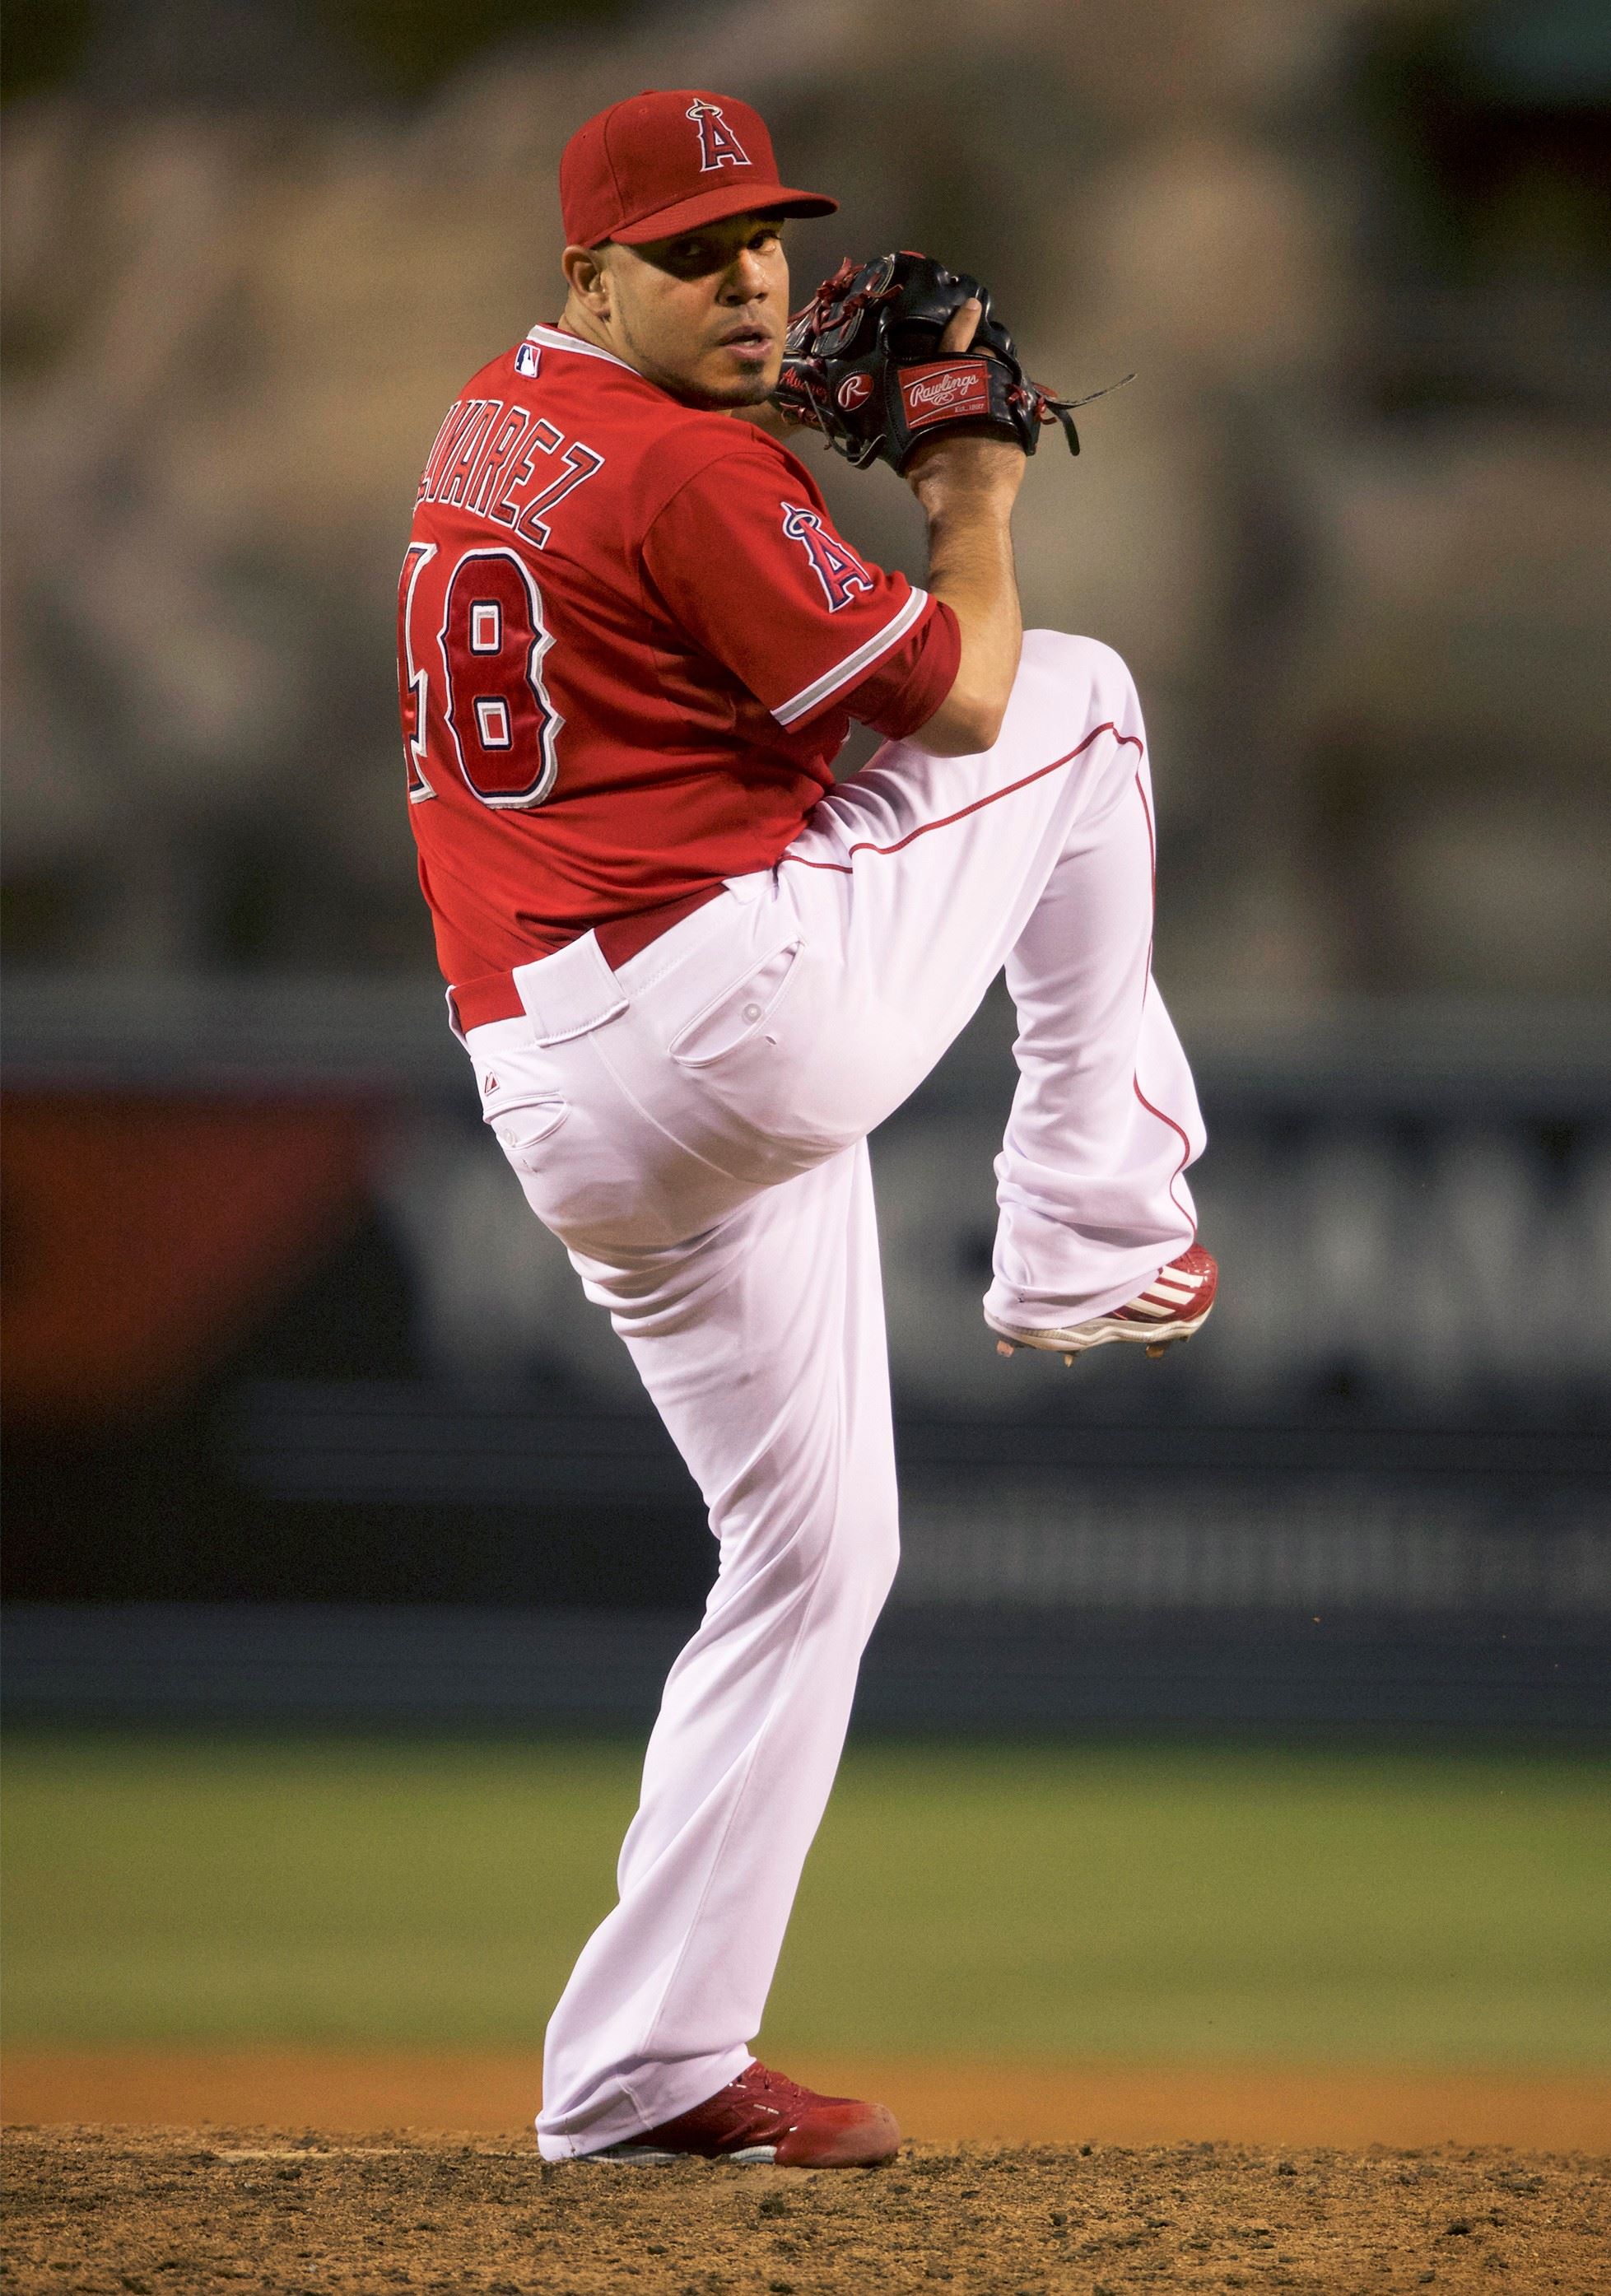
(962, 327)
(979, 465)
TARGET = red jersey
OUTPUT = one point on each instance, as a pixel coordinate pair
(630, 644)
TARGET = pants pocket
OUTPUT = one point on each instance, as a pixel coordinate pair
(740, 1012)
(521, 1131)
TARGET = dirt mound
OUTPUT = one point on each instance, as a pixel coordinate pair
(178, 2210)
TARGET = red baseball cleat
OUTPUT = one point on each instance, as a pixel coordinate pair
(1173, 1306)
(765, 2116)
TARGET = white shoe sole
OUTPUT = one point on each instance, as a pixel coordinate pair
(651, 2156)
(1097, 1334)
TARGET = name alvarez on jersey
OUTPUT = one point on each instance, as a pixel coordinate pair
(630, 642)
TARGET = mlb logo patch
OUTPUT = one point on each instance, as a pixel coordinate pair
(528, 358)
(947, 391)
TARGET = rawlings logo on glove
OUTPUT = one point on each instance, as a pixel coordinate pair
(934, 394)
(862, 364)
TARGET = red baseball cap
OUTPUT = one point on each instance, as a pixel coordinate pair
(667, 161)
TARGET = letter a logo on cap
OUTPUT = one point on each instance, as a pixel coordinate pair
(719, 147)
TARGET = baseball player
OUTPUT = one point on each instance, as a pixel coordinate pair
(693, 975)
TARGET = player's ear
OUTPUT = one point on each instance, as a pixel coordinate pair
(587, 276)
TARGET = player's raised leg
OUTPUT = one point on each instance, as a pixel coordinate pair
(1090, 1180)
(929, 874)
(761, 1344)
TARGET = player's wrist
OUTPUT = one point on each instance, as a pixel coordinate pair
(946, 502)
(967, 475)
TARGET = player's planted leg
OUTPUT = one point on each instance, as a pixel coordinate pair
(762, 1346)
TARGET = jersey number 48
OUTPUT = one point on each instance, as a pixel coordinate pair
(486, 649)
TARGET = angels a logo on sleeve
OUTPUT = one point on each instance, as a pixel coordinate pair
(719, 147)
(836, 568)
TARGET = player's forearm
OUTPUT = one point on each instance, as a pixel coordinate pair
(970, 568)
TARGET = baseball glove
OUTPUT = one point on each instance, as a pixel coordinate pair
(862, 364)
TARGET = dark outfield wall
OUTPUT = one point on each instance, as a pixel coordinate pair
(278, 1329)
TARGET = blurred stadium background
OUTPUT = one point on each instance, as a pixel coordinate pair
(306, 1429)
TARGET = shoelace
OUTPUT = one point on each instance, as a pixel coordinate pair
(775, 2087)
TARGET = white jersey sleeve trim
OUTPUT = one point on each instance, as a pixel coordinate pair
(845, 673)
(552, 339)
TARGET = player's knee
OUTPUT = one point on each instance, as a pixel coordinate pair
(1087, 663)
(852, 1546)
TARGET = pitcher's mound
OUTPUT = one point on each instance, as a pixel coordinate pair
(177, 2210)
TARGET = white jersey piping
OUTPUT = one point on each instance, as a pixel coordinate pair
(551, 338)
(811, 697)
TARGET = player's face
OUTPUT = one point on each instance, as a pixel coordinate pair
(704, 316)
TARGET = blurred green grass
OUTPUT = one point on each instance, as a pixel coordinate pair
(1203, 1903)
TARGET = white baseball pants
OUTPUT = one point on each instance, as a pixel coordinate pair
(693, 1128)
